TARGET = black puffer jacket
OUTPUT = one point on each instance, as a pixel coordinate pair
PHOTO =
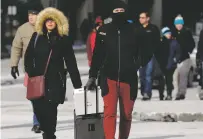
(186, 41)
(55, 87)
(119, 52)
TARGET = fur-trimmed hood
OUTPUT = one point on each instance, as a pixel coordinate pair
(57, 16)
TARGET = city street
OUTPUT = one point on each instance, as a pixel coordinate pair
(16, 122)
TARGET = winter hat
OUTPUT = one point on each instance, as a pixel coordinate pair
(165, 31)
(179, 20)
(119, 4)
(98, 20)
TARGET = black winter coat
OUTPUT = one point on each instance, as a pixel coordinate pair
(150, 37)
(168, 54)
(200, 47)
(186, 41)
(55, 79)
(118, 52)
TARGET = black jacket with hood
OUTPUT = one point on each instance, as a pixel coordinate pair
(186, 41)
(168, 54)
(118, 51)
(37, 55)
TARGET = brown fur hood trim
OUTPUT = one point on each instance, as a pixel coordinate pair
(57, 16)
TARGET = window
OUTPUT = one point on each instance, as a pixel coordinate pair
(12, 10)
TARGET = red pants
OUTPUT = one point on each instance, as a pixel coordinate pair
(110, 110)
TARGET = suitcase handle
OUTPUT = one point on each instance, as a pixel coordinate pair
(85, 97)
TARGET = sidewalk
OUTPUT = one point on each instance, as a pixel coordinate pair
(188, 110)
(17, 119)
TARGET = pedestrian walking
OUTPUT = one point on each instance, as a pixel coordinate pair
(184, 37)
(90, 44)
(168, 55)
(199, 62)
(19, 47)
(150, 37)
(116, 56)
(51, 41)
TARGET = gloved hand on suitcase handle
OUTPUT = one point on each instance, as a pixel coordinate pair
(91, 84)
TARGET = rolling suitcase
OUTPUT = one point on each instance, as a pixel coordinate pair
(88, 124)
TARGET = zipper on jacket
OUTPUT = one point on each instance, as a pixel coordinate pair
(119, 61)
(34, 62)
(61, 79)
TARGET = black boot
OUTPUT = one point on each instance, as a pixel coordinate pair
(46, 136)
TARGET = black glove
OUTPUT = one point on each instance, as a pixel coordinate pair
(91, 84)
(14, 71)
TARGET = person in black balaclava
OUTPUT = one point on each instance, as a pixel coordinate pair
(117, 56)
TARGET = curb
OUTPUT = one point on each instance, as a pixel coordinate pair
(168, 117)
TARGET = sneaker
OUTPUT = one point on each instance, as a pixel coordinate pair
(181, 97)
(36, 129)
(145, 97)
(168, 98)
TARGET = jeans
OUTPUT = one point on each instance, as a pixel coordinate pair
(35, 121)
(146, 77)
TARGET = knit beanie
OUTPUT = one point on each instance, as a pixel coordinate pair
(179, 20)
(165, 31)
(119, 4)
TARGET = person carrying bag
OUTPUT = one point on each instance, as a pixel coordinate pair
(47, 51)
(36, 85)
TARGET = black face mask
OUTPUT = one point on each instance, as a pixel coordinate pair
(119, 18)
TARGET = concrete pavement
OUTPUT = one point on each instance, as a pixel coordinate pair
(17, 122)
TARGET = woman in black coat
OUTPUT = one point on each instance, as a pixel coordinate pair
(51, 34)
